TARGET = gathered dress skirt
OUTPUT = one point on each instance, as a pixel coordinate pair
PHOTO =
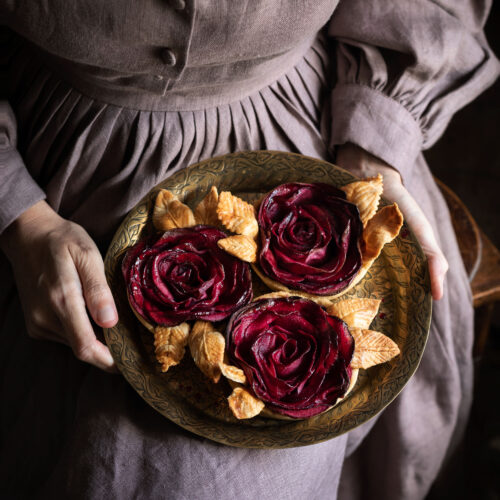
(69, 430)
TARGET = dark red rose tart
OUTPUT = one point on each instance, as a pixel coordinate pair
(184, 275)
(310, 238)
(289, 357)
(296, 357)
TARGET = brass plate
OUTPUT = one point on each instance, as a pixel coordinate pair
(399, 277)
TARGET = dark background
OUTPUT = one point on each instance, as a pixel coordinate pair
(467, 159)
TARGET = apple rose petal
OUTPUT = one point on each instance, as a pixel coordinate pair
(243, 404)
(294, 356)
(240, 246)
(144, 322)
(170, 343)
(206, 211)
(207, 348)
(170, 213)
(365, 194)
(183, 275)
(371, 348)
(237, 215)
(355, 312)
(310, 238)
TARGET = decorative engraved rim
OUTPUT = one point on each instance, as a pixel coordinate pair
(399, 277)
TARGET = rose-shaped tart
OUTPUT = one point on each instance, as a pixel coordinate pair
(294, 355)
(184, 275)
(310, 238)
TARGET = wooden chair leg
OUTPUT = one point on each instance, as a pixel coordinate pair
(482, 317)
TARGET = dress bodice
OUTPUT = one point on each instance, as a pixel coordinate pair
(171, 54)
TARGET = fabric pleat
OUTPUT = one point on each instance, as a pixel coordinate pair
(76, 432)
(92, 157)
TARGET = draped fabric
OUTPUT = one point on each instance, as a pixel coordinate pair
(95, 120)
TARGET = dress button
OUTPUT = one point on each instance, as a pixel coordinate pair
(168, 57)
(178, 4)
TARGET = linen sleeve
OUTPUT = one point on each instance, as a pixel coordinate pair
(18, 190)
(402, 69)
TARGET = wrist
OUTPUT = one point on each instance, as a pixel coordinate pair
(363, 164)
(37, 219)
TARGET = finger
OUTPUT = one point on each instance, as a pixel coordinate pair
(69, 304)
(438, 266)
(98, 296)
(416, 219)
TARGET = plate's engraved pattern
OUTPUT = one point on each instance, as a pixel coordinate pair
(399, 278)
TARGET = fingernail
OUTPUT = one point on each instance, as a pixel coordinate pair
(106, 314)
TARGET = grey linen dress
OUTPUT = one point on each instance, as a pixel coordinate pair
(104, 100)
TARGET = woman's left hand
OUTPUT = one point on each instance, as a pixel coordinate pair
(363, 164)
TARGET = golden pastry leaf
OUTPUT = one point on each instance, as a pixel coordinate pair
(233, 373)
(170, 213)
(170, 343)
(237, 215)
(243, 404)
(207, 349)
(355, 312)
(371, 348)
(365, 194)
(382, 228)
(206, 211)
(240, 246)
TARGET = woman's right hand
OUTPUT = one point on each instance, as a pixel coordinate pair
(364, 164)
(59, 274)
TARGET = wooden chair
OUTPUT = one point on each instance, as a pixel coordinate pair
(482, 262)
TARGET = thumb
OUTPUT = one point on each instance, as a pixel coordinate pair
(438, 267)
(416, 219)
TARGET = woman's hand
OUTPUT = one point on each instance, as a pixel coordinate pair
(60, 274)
(363, 164)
